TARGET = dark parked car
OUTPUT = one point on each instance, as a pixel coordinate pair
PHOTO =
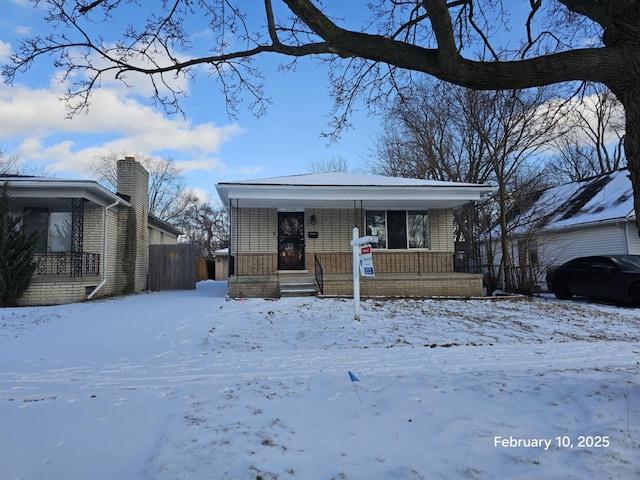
(614, 278)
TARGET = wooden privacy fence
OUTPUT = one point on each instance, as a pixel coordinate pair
(172, 267)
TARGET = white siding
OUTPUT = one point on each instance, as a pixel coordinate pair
(633, 239)
(561, 247)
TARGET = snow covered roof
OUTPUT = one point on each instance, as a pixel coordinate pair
(349, 180)
(603, 198)
(341, 190)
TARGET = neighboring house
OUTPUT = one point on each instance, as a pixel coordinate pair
(594, 216)
(161, 232)
(288, 230)
(94, 242)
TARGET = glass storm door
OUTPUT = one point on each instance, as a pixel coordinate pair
(290, 240)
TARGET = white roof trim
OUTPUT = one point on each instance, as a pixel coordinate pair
(341, 190)
(44, 187)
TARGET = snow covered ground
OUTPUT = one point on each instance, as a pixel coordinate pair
(188, 385)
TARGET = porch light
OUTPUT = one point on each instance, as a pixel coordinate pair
(313, 219)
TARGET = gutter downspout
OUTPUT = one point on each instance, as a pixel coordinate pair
(104, 252)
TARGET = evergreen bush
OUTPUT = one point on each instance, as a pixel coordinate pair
(17, 248)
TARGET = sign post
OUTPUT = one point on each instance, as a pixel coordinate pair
(362, 264)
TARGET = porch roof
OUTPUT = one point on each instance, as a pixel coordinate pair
(57, 190)
(341, 190)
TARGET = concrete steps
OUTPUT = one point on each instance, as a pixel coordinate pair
(300, 287)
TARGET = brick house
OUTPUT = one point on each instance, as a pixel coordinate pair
(95, 242)
(292, 234)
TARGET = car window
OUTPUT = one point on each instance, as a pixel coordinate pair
(630, 262)
(592, 263)
(580, 263)
(576, 263)
(602, 263)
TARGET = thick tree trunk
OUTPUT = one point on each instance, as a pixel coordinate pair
(630, 99)
(632, 152)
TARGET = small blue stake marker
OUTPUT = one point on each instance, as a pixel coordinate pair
(355, 379)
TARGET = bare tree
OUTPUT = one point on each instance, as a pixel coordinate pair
(428, 134)
(9, 164)
(456, 134)
(168, 195)
(206, 226)
(593, 143)
(456, 41)
(336, 164)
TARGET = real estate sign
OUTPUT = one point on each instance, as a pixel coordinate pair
(366, 261)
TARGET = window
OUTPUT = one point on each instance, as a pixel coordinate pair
(55, 228)
(397, 233)
(398, 229)
(60, 231)
(418, 223)
(376, 227)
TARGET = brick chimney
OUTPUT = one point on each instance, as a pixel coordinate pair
(133, 249)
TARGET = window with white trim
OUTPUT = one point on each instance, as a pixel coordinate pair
(398, 229)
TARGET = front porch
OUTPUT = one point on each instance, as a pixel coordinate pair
(398, 274)
(62, 277)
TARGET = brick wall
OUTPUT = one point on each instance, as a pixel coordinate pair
(157, 237)
(58, 291)
(265, 286)
(255, 230)
(111, 272)
(334, 229)
(441, 230)
(430, 285)
(387, 261)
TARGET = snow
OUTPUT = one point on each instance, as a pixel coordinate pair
(604, 198)
(349, 180)
(189, 385)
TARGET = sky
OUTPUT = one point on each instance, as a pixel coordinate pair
(206, 144)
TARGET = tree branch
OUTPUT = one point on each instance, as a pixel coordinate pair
(86, 8)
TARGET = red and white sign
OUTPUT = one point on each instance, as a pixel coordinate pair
(366, 261)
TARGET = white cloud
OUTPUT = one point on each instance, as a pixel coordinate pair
(202, 195)
(5, 51)
(114, 122)
(23, 30)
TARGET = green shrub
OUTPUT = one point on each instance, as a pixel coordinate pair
(17, 248)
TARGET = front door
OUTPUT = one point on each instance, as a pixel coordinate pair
(290, 240)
